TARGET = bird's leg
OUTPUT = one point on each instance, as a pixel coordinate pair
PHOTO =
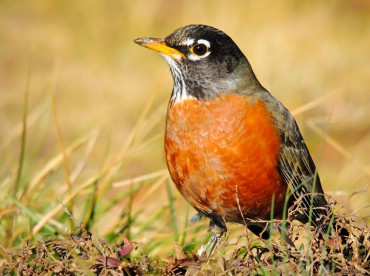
(218, 232)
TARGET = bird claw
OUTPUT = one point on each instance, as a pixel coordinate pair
(207, 249)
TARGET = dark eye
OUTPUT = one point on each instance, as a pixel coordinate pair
(199, 49)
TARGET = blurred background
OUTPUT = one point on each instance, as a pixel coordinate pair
(107, 97)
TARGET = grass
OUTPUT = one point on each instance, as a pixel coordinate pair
(81, 133)
(81, 252)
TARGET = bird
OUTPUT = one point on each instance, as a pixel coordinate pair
(233, 151)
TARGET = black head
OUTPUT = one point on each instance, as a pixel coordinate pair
(204, 62)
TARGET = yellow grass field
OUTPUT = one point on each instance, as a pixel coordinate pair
(93, 125)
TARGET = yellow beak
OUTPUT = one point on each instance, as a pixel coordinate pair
(159, 45)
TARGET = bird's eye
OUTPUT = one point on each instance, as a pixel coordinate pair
(199, 49)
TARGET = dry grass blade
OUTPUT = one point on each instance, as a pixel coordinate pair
(63, 148)
(312, 123)
(32, 118)
(139, 179)
(49, 215)
(90, 145)
(121, 154)
(165, 176)
(310, 105)
(54, 163)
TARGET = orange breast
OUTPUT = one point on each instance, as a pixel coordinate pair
(222, 155)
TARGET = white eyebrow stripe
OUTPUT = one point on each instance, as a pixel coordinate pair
(188, 42)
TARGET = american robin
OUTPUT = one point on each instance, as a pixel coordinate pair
(232, 149)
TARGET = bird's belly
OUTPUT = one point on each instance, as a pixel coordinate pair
(222, 156)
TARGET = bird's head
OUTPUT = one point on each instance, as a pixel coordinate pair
(204, 62)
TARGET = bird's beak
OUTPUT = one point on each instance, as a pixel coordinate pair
(158, 44)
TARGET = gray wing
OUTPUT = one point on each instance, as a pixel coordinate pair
(297, 167)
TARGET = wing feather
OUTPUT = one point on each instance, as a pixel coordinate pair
(296, 165)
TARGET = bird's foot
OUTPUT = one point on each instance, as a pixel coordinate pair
(207, 249)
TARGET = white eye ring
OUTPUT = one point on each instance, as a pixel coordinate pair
(203, 43)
